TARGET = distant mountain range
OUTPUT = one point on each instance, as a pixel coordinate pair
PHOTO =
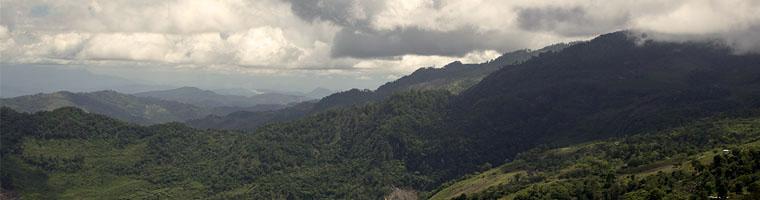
(316, 93)
(19, 80)
(237, 92)
(176, 105)
(117, 105)
(208, 98)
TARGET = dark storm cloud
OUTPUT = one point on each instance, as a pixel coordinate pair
(418, 41)
(40, 11)
(349, 13)
(8, 15)
(575, 21)
(358, 39)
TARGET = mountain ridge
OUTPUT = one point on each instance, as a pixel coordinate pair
(208, 98)
(453, 77)
(121, 106)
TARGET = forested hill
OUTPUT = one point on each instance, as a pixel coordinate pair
(353, 153)
(612, 85)
(715, 157)
(454, 77)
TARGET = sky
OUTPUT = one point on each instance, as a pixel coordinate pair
(338, 44)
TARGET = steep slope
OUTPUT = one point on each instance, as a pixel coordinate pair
(207, 98)
(120, 106)
(609, 86)
(456, 76)
(719, 158)
(453, 77)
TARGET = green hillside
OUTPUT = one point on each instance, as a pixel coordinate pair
(611, 86)
(353, 153)
(707, 158)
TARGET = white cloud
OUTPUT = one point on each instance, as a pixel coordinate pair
(703, 17)
(271, 36)
(126, 46)
(408, 63)
(4, 34)
(265, 46)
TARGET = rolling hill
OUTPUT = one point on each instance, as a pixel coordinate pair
(613, 85)
(70, 154)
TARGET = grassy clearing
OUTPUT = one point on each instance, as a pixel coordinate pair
(476, 183)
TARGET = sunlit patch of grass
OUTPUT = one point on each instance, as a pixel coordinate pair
(477, 183)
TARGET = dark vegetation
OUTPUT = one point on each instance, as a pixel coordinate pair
(354, 153)
(608, 87)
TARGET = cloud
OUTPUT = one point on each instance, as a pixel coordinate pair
(264, 46)
(350, 13)
(381, 36)
(702, 17)
(416, 41)
(204, 32)
(129, 15)
(403, 65)
(126, 46)
(574, 21)
(4, 33)
(733, 22)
